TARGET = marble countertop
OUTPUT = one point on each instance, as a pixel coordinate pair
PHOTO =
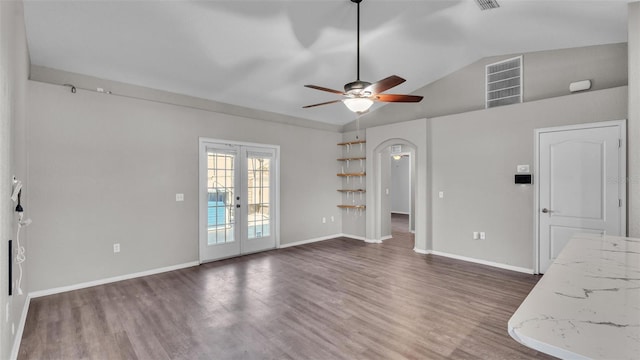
(587, 305)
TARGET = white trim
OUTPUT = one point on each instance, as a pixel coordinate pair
(420, 251)
(23, 320)
(373, 241)
(622, 124)
(40, 293)
(309, 241)
(355, 237)
(483, 262)
(328, 237)
(386, 238)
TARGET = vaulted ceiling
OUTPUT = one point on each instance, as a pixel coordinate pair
(260, 53)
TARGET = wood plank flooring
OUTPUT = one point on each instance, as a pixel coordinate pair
(335, 299)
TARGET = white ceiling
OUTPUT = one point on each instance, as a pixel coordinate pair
(260, 53)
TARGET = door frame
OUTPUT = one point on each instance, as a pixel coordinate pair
(622, 125)
(379, 198)
(202, 187)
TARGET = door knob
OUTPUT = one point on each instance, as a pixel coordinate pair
(545, 210)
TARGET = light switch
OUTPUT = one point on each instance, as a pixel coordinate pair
(522, 169)
(441, 194)
(179, 197)
(386, 191)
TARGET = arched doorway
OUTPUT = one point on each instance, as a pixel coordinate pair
(382, 189)
(415, 136)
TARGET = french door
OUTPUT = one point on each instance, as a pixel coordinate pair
(237, 199)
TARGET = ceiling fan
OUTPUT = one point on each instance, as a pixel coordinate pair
(360, 95)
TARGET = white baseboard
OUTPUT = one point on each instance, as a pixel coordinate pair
(373, 241)
(23, 321)
(484, 262)
(361, 238)
(421, 251)
(39, 293)
(309, 241)
(386, 238)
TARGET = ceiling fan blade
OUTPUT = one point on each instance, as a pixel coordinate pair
(325, 89)
(397, 98)
(324, 103)
(384, 84)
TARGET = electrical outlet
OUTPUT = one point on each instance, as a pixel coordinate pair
(482, 235)
(179, 197)
(476, 235)
(116, 248)
(324, 220)
(441, 194)
(333, 219)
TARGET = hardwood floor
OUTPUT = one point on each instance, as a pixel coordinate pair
(335, 299)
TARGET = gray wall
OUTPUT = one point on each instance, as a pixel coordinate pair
(401, 185)
(633, 133)
(106, 169)
(546, 74)
(474, 156)
(14, 65)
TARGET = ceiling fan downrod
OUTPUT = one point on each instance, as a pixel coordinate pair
(358, 40)
(356, 87)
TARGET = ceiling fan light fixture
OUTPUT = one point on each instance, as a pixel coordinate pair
(358, 104)
(362, 94)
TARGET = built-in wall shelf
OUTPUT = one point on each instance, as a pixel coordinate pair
(351, 154)
(357, 207)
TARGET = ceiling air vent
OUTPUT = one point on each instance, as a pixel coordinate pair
(504, 82)
(487, 4)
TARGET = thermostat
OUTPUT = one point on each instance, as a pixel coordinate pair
(523, 179)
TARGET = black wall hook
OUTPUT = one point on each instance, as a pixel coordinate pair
(73, 88)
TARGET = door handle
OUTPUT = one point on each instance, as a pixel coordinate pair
(238, 205)
(545, 210)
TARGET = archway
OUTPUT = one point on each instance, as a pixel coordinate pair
(381, 180)
(414, 134)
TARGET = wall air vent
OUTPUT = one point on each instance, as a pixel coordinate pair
(504, 82)
(487, 4)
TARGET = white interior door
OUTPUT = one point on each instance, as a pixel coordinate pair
(581, 187)
(237, 199)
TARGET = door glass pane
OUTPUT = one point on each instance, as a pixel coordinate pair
(258, 179)
(220, 192)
